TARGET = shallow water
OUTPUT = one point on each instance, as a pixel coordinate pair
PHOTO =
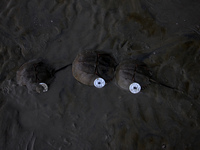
(72, 116)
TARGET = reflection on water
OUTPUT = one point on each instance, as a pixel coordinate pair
(70, 116)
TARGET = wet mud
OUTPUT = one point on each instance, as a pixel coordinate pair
(164, 35)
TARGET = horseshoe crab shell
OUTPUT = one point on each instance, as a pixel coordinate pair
(132, 71)
(34, 72)
(90, 65)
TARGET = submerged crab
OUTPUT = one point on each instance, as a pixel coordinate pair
(35, 75)
(133, 75)
(94, 68)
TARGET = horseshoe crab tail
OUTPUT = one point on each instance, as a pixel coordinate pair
(62, 68)
(156, 82)
(173, 88)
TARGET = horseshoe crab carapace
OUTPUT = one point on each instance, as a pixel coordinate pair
(35, 75)
(133, 75)
(91, 65)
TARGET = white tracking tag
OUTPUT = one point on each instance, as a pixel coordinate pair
(45, 86)
(99, 82)
(134, 88)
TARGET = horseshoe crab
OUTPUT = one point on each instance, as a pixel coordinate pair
(35, 75)
(133, 75)
(91, 65)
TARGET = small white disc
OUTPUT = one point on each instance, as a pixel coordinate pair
(99, 82)
(45, 86)
(134, 88)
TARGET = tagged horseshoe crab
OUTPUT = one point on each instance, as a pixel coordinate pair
(35, 75)
(133, 75)
(94, 68)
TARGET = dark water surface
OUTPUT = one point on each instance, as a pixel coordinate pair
(165, 34)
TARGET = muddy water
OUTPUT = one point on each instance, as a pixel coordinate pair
(72, 116)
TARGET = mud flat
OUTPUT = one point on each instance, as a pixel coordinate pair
(165, 35)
